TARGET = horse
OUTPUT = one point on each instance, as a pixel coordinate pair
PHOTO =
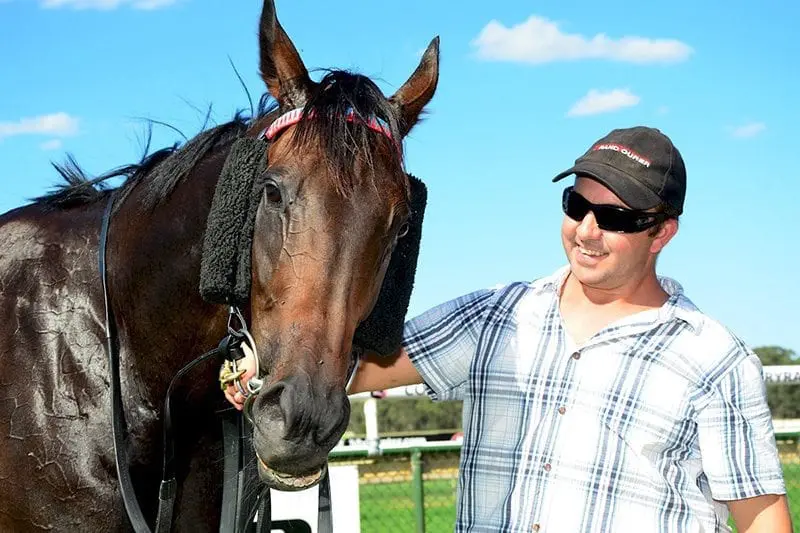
(333, 204)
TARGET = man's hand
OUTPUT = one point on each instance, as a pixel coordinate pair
(232, 393)
(763, 514)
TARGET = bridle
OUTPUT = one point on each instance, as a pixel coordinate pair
(239, 501)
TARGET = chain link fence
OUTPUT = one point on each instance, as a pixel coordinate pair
(406, 490)
(413, 490)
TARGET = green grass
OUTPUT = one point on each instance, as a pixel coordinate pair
(389, 507)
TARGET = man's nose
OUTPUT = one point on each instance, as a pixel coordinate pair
(588, 228)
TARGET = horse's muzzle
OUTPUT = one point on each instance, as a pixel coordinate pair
(295, 426)
(287, 482)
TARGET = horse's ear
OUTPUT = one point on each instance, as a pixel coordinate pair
(415, 93)
(282, 69)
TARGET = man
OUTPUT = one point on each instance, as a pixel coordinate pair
(600, 399)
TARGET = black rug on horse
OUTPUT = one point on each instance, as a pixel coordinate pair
(226, 263)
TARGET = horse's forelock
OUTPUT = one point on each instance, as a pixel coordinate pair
(343, 143)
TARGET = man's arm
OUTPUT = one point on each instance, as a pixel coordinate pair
(380, 373)
(768, 513)
(374, 373)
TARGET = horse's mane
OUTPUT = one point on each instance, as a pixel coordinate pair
(161, 171)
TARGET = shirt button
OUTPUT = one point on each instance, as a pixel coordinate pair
(562, 410)
(535, 527)
(547, 467)
(576, 355)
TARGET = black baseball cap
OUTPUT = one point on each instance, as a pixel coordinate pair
(640, 165)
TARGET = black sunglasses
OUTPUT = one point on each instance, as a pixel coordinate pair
(609, 217)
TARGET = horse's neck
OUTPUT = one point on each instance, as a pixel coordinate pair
(155, 263)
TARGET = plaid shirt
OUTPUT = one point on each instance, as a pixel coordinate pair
(640, 429)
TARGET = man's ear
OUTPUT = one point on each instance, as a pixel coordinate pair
(665, 232)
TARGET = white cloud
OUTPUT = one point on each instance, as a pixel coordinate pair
(60, 124)
(749, 130)
(106, 4)
(152, 4)
(538, 40)
(596, 102)
(52, 144)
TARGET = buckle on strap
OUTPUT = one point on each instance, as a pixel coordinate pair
(237, 345)
(229, 374)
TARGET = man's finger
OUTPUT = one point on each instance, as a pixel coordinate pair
(232, 398)
(239, 399)
(232, 393)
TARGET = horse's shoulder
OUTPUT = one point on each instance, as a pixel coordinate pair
(34, 231)
(48, 261)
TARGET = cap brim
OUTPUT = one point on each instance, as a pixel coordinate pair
(625, 186)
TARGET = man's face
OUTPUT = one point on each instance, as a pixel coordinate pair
(608, 260)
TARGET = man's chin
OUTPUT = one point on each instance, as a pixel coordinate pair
(593, 276)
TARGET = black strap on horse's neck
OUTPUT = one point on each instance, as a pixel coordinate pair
(117, 419)
(235, 488)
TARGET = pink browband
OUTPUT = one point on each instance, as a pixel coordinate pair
(295, 115)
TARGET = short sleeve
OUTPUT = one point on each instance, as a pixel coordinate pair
(441, 343)
(737, 440)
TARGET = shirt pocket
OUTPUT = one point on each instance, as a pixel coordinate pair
(642, 400)
(656, 427)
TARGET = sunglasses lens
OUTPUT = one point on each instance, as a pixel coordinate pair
(575, 206)
(608, 218)
(612, 220)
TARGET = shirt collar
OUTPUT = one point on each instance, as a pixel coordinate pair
(677, 306)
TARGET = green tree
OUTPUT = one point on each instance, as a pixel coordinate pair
(408, 415)
(783, 400)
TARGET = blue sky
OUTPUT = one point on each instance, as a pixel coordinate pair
(525, 88)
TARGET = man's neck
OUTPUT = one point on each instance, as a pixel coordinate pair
(645, 292)
(586, 310)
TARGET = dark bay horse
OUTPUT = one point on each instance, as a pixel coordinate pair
(335, 203)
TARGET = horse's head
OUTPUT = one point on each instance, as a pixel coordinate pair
(335, 203)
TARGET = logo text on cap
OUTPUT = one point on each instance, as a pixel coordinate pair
(623, 150)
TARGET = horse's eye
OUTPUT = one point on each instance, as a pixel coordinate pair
(403, 231)
(273, 194)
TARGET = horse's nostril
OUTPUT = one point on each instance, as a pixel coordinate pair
(265, 405)
(272, 394)
(294, 412)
